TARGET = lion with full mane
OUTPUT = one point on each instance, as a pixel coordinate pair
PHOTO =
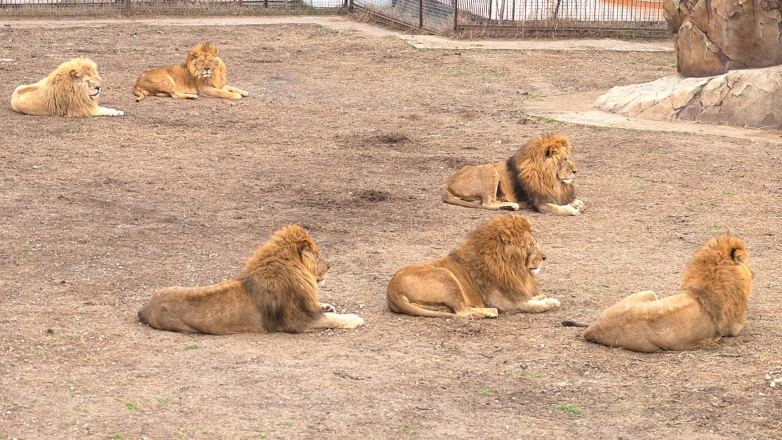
(540, 175)
(493, 270)
(71, 90)
(277, 290)
(202, 73)
(715, 288)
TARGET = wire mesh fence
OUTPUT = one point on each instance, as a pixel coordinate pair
(553, 17)
(77, 8)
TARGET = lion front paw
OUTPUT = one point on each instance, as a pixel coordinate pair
(235, 96)
(327, 307)
(353, 321)
(578, 204)
(118, 113)
(244, 93)
(550, 303)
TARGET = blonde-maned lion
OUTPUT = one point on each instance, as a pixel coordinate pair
(202, 73)
(276, 291)
(71, 90)
(493, 270)
(540, 176)
(715, 288)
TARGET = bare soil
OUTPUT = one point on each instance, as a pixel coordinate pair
(353, 135)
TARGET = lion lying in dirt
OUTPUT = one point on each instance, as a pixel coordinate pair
(276, 291)
(539, 175)
(716, 286)
(494, 269)
(71, 90)
(202, 73)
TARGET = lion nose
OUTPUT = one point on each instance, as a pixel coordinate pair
(97, 88)
(574, 171)
(544, 258)
(206, 69)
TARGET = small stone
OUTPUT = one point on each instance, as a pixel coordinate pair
(523, 366)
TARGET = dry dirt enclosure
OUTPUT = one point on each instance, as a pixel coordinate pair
(353, 136)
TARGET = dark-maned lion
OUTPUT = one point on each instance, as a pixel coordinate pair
(494, 269)
(716, 286)
(202, 73)
(71, 90)
(540, 175)
(276, 291)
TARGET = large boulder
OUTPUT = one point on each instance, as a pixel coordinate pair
(714, 36)
(752, 96)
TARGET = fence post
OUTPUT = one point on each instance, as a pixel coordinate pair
(127, 6)
(421, 13)
(455, 15)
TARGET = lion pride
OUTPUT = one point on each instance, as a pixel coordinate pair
(202, 73)
(493, 270)
(715, 288)
(71, 90)
(276, 291)
(540, 175)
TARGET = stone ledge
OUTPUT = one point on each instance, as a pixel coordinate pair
(752, 97)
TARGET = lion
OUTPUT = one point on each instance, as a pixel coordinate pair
(71, 90)
(202, 73)
(715, 288)
(540, 175)
(493, 270)
(277, 290)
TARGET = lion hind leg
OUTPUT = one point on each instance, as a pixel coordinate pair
(645, 296)
(335, 320)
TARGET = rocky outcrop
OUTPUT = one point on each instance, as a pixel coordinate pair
(714, 36)
(752, 97)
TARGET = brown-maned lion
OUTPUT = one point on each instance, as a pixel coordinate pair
(493, 270)
(276, 291)
(72, 90)
(202, 73)
(539, 175)
(716, 285)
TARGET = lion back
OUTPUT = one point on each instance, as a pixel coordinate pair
(534, 167)
(720, 279)
(284, 291)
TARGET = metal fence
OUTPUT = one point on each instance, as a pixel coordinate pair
(471, 17)
(78, 8)
(525, 17)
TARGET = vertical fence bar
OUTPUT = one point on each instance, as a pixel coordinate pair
(455, 15)
(421, 14)
(127, 6)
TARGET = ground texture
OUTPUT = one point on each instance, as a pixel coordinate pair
(353, 136)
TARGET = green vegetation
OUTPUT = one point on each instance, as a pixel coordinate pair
(131, 406)
(162, 400)
(570, 409)
(409, 430)
(286, 423)
(192, 347)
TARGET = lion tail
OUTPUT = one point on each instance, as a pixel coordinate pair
(400, 304)
(574, 324)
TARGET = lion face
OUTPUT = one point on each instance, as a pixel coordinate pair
(564, 165)
(535, 255)
(203, 61)
(316, 264)
(87, 77)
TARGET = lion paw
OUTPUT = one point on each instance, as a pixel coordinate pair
(551, 303)
(118, 113)
(245, 93)
(578, 204)
(353, 321)
(327, 307)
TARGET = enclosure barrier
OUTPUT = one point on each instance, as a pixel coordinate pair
(516, 17)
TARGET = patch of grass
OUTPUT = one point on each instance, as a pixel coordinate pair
(538, 374)
(192, 347)
(117, 436)
(341, 383)
(261, 435)
(131, 406)
(81, 408)
(570, 409)
(286, 423)
(325, 29)
(658, 153)
(632, 130)
(162, 400)
(3, 436)
(711, 205)
(409, 430)
(485, 392)
(716, 226)
(696, 167)
(546, 120)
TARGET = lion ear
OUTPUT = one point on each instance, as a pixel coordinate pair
(74, 74)
(738, 255)
(550, 150)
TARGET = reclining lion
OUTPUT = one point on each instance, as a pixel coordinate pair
(493, 270)
(540, 175)
(71, 90)
(276, 291)
(713, 303)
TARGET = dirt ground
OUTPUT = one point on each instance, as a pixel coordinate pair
(353, 135)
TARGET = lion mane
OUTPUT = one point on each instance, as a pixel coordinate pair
(277, 290)
(493, 270)
(202, 73)
(715, 289)
(71, 90)
(539, 175)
